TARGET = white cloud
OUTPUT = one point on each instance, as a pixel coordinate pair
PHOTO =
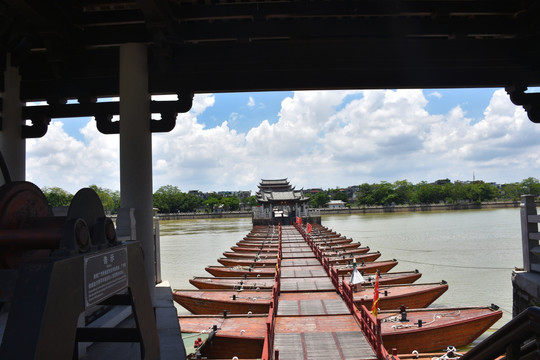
(251, 102)
(321, 139)
(435, 94)
(58, 159)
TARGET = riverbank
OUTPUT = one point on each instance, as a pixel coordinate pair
(352, 210)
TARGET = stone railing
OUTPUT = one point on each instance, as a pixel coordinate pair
(529, 234)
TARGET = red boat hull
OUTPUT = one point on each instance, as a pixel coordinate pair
(215, 302)
(393, 278)
(392, 297)
(368, 268)
(224, 283)
(346, 260)
(247, 262)
(458, 332)
(242, 337)
(221, 271)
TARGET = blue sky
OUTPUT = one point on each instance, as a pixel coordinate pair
(314, 138)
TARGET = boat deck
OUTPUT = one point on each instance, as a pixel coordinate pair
(310, 310)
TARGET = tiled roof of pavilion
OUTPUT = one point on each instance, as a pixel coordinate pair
(279, 190)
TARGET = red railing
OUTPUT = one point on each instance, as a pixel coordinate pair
(335, 278)
(370, 325)
(268, 347)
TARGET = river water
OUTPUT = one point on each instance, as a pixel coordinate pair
(475, 251)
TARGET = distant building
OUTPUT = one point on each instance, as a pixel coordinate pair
(199, 194)
(243, 194)
(336, 204)
(280, 201)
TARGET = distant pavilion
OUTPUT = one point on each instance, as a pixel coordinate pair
(279, 202)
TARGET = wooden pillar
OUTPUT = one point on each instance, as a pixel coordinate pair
(136, 150)
(12, 145)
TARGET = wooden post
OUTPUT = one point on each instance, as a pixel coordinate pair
(528, 207)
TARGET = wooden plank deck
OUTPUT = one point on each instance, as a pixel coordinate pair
(323, 345)
(300, 262)
(312, 307)
(306, 284)
(310, 323)
(303, 271)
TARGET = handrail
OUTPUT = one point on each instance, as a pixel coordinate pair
(370, 325)
(509, 338)
(334, 276)
(268, 346)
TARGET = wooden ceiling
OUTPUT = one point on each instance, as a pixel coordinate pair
(70, 48)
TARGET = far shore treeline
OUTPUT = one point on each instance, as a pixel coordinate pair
(170, 199)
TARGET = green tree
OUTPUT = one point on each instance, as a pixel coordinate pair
(320, 199)
(403, 191)
(107, 198)
(212, 203)
(383, 193)
(249, 201)
(479, 191)
(339, 195)
(231, 203)
(512, 191)
(189, 202)
(364, 196)
(427, 193)
(531, 186)
(57, 196)
(168, 199)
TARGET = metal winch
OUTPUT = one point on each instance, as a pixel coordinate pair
(29, 231)
(56, 269)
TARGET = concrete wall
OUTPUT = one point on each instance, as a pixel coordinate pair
(411, 208)
(352, 210)
(526, 291)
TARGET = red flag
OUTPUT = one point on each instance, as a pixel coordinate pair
(308, 228)
(374, 309)
(299, 220)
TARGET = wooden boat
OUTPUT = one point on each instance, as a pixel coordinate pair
(216, 301)
(232, 283)
(241, 271)
(434, 329)
(341, 240)
(324, 234)
(247, 262)
(257, 243)
(254, 249)
(390, 278)
(339, 247)
(192, 343)
(368, 267)
(451, 354)
(265, 245)
(261, 237)
(234, 335)
(236, 283)
(394, 296)
(254, 242)
(250, 254)
(348, 260)
(359, 250)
